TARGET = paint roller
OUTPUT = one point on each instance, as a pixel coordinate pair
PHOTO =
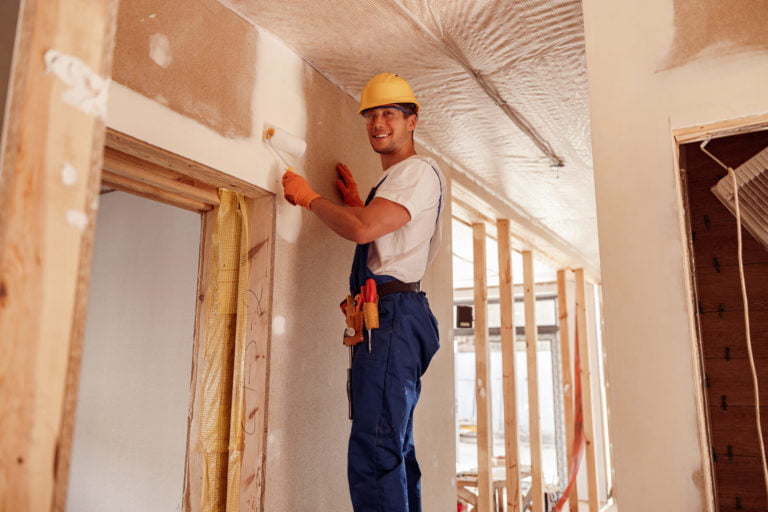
(282, 141)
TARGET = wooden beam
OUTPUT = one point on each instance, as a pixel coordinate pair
(261, 254)
(482, 374)
(586, 392)
(565, 359)
(193, 473)
(139, 188)
(531, 345)
(182, 165)
(718, 129)
(51, 166)
(148, 173)
(511, 453)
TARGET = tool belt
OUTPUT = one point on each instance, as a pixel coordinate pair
(362, 310)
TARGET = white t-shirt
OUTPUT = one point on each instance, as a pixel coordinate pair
(417, 184)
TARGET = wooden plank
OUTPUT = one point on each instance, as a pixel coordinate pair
(51, 165)
(721, 291)
(734, 429)
(531, 346)
(586, 393)
(482, 373)
(193, 473)
(738, 482)
(700, 132)
(145, 172)
(723, 335)
(511, 455)
(716, 248)
(565, 359)
(261, 253)
(733, 379)
(158, 156)
(151, 192)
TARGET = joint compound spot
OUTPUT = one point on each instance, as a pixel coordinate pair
(278, 325)
(77, 219)
(160, 50)
(68, 174)
(87, 90)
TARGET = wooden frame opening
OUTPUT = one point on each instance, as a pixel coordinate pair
(136, 167)
(725, 398)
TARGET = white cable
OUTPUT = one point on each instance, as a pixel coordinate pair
(746, 325)
(732, 173)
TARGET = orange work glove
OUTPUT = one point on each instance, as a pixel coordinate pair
(297, 191)
(348, 186)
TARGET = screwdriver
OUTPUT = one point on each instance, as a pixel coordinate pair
(371, 308)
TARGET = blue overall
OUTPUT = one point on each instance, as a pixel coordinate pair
(382, 469)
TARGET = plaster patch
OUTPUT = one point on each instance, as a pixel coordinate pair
(78, 219)
(288, 220)
(152, 16)
(160, 50)
(87, 90)
(68, 174)
(278, 325)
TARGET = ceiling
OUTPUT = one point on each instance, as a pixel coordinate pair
(502, 85)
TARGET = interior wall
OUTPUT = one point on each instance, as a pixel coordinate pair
(308, 426)
(129, 442)
(661, 462)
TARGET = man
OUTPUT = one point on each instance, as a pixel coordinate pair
(397, 231)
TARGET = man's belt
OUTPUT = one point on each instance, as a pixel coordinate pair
(397, 286)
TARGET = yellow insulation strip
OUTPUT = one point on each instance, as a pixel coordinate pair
(223, 331)
(238, 385)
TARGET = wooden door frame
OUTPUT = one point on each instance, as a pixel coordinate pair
(140, 168)
(681, 136)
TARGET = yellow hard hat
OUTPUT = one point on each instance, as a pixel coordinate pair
(384, 89)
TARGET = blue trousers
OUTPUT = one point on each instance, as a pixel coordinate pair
(383, 473)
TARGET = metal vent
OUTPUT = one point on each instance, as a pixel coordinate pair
(752, 182)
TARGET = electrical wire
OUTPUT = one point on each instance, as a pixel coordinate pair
(755, 385)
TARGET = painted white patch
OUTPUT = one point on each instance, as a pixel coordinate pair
(87, 91)
(78, 219)
(160, 50)
(161, 99)
(278, 325)
(68, 174)
(288, 219)
(153, 16)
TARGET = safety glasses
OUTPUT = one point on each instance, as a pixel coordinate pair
(388, 113)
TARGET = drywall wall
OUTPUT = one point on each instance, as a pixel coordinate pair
(193, 72)
(130, 432)
(652, 365)
(308, 425)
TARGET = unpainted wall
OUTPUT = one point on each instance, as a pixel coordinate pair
(655, 395)
(308, 425)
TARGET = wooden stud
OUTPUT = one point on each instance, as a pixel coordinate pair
(721, 128)
(482, 374)
(512, 457)
(193, 473)
(261, 225)
(531, 343)
(586, 392)
(51, 166)
(565, 359)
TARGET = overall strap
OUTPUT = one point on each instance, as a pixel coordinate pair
(360, 272)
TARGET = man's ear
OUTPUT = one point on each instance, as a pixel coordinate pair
(412, 120)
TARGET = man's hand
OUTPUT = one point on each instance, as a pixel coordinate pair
(297, 191)
(348, 186)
